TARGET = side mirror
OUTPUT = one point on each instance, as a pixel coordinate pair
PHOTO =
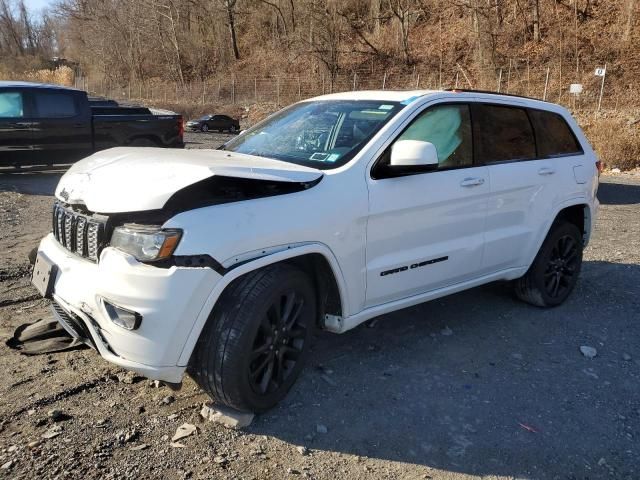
(413, 153)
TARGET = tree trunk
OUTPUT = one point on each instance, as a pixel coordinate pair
(535, 10)
(232, 27)
(626, 35)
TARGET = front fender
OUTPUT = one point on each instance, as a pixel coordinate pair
(269, 257)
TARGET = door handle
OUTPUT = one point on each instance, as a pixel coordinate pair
(471, 182)
(546, 171)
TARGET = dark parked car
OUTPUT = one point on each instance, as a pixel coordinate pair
(214, 122)
(46, 124)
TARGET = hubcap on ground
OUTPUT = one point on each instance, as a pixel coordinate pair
(561, 269)
(278, 343)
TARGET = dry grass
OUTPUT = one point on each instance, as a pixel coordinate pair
(60, 76)
(615, 137)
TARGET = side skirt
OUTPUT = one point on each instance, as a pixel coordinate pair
(341, 325)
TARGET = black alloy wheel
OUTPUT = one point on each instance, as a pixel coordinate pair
(554, 272)
(279, 342)
(257, 338)
(562, 267)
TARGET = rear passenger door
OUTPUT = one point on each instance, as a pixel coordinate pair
(523, 185)
(16, 136)
(62, 133)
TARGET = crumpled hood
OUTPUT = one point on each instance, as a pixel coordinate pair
(127, 179)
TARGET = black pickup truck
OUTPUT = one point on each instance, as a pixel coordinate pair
(48, 124)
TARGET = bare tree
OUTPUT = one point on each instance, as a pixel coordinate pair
(403, 10)
(230, 9)
(535, 12)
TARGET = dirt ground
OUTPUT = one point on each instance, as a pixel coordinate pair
(476, 385)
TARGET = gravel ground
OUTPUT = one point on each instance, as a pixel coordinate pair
(476, 385)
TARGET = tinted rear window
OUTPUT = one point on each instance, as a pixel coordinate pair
(505, 134)
(55, 105)
(554, 136)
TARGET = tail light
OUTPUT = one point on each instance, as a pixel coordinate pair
(599, 166)
(180, 126)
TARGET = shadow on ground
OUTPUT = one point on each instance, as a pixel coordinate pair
(506, 393)
(610, 193)
(31, 182)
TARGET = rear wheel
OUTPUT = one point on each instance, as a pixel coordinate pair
(233, 129)
(554, 272)
(257, 338)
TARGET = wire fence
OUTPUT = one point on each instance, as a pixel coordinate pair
(550, 83)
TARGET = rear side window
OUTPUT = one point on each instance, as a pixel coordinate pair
(505, 134)
(11, 105)
(55, 105)
(554, 136)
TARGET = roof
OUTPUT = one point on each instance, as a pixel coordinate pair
(381, 95)
(19, 84)
(408, 96)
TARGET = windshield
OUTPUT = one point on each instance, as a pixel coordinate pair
(206, 117)
(322, 134)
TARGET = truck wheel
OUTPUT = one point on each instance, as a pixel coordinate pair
(256, 340)
(233, 129)
(204, 128)
(554, 272)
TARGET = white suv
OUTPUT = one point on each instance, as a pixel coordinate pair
(337, 209)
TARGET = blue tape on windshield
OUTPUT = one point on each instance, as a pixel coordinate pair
(409, 100)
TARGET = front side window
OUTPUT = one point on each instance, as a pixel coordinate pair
(554, 136)
(448, 127)
(11, 105)
(55, 105)
(505, 134)
(321, 134)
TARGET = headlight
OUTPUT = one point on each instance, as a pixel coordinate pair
(146, 243)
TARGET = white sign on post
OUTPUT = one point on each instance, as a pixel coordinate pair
(601, 72)
(575, 88)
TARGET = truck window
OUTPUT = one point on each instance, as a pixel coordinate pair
(11, 105)
(555, 138)
(55, 104)
(505, 134)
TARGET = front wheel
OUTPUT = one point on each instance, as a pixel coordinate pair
(204, 128)
(256, 339)
(554, 272)
(233, 129)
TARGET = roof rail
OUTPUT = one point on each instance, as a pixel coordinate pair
(469, 90)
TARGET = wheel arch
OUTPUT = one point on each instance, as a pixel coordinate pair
(315, 259)
(577, 212)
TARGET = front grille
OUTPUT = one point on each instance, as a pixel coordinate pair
(78, 233)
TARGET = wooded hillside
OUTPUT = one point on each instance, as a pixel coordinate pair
(188, 40)
(197, 55)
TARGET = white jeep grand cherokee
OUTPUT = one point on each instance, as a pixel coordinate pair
(340, 208)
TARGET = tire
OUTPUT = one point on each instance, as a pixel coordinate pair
(554, 272)
(204, 128)
(233, 129)
(143, 142)
(242, 360)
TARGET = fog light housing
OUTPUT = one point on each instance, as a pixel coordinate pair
(127, 319)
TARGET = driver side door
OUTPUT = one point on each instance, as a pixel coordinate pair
(426, 227)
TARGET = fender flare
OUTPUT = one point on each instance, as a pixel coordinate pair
(286, 253)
